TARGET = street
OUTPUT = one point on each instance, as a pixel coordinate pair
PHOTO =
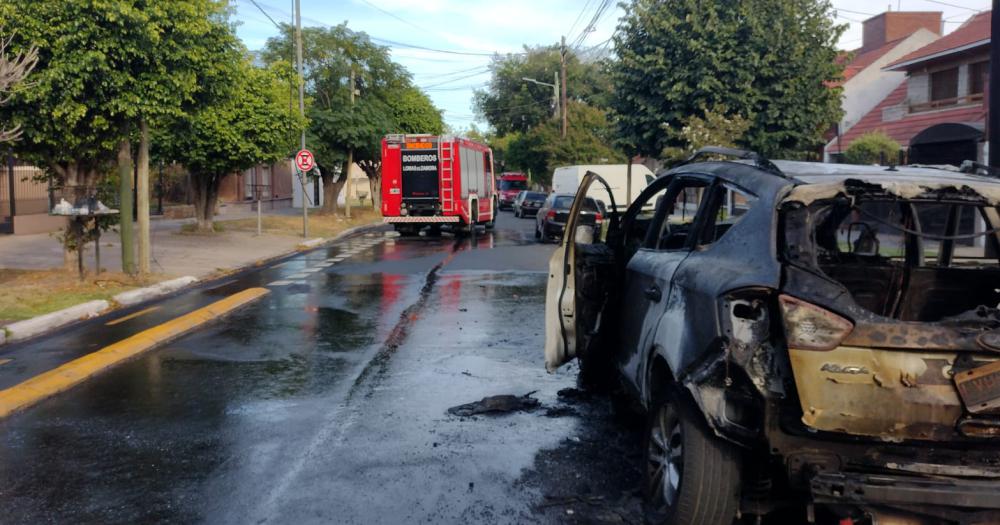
(327, 401)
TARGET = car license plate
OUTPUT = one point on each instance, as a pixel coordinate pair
(980, 388)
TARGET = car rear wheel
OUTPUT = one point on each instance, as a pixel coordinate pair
(691, 476)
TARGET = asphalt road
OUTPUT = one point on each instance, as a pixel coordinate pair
(326, 402)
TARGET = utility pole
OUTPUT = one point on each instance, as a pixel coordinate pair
(302, 112)
(350, 156)
(562, 84)
(142, 198)
(994, 108)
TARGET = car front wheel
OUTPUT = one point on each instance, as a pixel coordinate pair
(691, 476)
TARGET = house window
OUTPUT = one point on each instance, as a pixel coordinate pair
(944, 84)
(978, 73)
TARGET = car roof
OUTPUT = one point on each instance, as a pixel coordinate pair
(825, 173)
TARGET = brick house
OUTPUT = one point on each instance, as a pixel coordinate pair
(886, 38)
(938, 114)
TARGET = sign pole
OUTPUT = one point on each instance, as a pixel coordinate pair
(302, 112)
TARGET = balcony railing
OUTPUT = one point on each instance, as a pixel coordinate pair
(946, 103)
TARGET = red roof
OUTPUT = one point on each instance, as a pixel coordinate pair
(975, 30)
(863, 60)
(906, 128)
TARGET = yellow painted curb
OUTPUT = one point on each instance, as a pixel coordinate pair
(60, 379)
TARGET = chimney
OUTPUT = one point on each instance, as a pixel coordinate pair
(893, 25)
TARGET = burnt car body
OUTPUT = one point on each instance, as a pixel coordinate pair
(804, 334)
(527, 203)
(550, 219)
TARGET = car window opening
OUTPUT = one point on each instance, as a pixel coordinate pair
(912, 260)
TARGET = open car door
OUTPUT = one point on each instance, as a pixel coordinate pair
(562, 322)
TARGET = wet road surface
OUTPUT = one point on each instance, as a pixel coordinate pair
(327, 402)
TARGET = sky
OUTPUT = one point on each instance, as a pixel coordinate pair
(459, 36)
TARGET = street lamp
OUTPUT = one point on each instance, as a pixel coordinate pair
(555, 91)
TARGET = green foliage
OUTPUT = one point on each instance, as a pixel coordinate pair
(243, 121)
(771, 61)
(717, 128)
(541, 149)
(102, 66)
(510, 104)
(871, 147)
(386, 101)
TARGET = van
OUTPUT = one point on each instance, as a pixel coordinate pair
(566, 179)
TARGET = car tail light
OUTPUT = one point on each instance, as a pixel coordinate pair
(598, 218)
(551, 214)
(810, 327)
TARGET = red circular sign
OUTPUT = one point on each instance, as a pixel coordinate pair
(304, 160)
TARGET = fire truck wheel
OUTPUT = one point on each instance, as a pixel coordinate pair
(407, 231)
(434, 231)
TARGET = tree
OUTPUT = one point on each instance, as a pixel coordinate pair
(13, 70)
(241, 119)
(510, 104)
(105, 69)
(386, 101)
(771, 61)
(873, 147)
(717, 128)
(541, 149)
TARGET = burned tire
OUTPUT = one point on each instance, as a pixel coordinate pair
(690, 476)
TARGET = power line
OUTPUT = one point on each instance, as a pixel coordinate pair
(393, 15)
(476, 74)
(254, 2)
(939, 2)
(841, 9)
(578, 17)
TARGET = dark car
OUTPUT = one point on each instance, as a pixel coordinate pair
(809, 338)
(527, 203)
(550, 219)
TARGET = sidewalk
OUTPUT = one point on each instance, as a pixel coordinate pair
(173, 253)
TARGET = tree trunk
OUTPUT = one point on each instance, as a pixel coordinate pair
(376, 192)
(331, 192)
(142, 198)
(205, 189)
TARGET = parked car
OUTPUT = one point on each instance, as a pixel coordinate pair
(550, 219)
(566, 179)
(797, 334)
(527, 203)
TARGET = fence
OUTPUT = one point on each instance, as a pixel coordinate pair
(21, 194)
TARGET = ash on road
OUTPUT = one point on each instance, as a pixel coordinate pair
(328, 402)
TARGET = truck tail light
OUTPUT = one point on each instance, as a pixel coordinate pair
(810, 327)
(551, 214)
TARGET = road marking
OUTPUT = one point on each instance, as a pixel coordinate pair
(312, 270)
(5, 361)
(298, 276)
(279, 283)
(132, 316)
(324, 265)
(62, 378)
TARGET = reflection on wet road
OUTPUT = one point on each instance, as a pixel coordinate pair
(324, 402)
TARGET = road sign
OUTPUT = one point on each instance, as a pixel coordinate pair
(304, 160)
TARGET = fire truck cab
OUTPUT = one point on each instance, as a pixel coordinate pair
(430, 180)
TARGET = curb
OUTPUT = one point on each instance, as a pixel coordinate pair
(62, 378)
(139, 295)
(29, 328)
(43, 323)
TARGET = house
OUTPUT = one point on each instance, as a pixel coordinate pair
(25, 202)
(886, 38)
(271, 184)
(938, 115)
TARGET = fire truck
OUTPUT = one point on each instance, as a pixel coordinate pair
(430, 180)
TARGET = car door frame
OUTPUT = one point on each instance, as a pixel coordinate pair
(647, 282)
(561, 336)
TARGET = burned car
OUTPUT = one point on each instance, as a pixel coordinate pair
(800, 335)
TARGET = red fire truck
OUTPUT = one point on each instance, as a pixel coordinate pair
(436, 180)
